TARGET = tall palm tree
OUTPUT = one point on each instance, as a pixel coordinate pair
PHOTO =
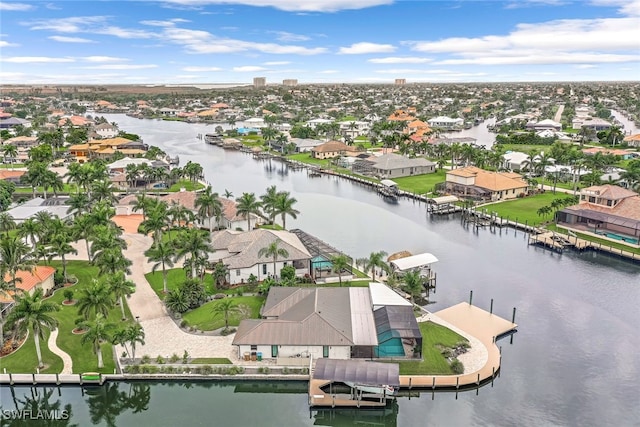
(163, 254)
(274, 251)
(30, 230)
(120, 287)
(98, 332)
(60, 246)
(156, 220)
(6, 223)
(413, 283)
(142, 203)
(269, 203)
(248, 205)
(376, 259)
(209, 206)
(284, 206)
(33, 312)
(131, 334)
(339, 263)
(10, 151)
(103, 190)
(95, 299)
(226, 308)
(15, 255)
(79, 203)
(195, 243)
(111, 260)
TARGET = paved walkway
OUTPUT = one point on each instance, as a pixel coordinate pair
(53, 346)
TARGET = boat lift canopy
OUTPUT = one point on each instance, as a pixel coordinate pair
(414, 261)
(358, 371)
(389, 183)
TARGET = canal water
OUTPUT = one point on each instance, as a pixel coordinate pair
(574, 360)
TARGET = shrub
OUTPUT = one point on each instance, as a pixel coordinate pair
(68, 295)
(146, 359)
(160, 360)
(457, 367)
(185, 357)
(184, 324)
(226, 332)
(288, 272)
(58, 278)
(207, 370)
(174, 358)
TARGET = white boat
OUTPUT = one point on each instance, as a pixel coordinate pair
(380, 389)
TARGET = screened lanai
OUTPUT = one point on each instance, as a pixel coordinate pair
(398, 332)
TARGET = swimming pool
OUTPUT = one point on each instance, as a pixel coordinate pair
(616, 236)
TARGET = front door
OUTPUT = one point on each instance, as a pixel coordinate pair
(274, 351)
(325, 351)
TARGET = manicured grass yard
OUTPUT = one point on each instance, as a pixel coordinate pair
(421, 184)
(175, 277)
(525, 209)
(204, 319)
(211, 361)
(306, 158)
(25, 360)
(84, 360)
(186, 184)
(433, 362)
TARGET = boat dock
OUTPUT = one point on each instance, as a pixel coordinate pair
(559, 242)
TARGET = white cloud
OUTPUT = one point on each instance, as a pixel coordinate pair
(277, 63)
(291, 5)
(284, 36)
(625, 7)
(87, 24)
(4, 43)
(200, 69)
(540, 58)
(202, 42)
(120, 67)
(35, 59)
(586, 66)
(328, 72)
(400, 60)
(125, 33)
(15, 7)
(517, 4)
(103, 59)
(248, 69)
(65, 39)
(168, 23)
(365, 47)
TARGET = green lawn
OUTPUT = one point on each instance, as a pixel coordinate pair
(204, 319)
(526, 148)
(210, 361)
(175, 276)
(84, 360)
(66, 188)
(11, 166)
(421, 184)
(306, 158)
(25, 360)
(433, 362)
(271, 227)
(524, 210)
(186, 184)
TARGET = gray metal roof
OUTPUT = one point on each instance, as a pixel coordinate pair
(358, 371)
(395, 161)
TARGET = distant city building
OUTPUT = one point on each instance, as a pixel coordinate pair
(259, 81)
(290, 82)
(401, 82)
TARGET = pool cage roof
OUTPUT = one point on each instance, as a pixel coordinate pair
(629, 223)
(318, 248)
(396, 322)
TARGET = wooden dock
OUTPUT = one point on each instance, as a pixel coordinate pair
(481, 324)
(558, 242)
(317, 397)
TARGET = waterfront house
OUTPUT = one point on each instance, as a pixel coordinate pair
(336, 323)
(546, 124)
(332, 149)
(443, 122)
(393, 165)
(515, 160)
(633, 140)
(304, 145)
(605, 209)
(239, 251)
(486, 185)
(106, 130)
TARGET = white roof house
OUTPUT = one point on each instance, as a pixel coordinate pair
(445, 122)
(382, 295)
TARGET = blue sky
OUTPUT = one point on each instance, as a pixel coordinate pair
(318, 41)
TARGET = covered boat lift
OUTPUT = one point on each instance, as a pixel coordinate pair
(420, 261)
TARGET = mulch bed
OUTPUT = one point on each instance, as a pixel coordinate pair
(78, 331)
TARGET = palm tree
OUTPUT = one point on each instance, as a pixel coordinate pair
(78, 204)
(226, 308)
(142, 203)
(209, 206)
(195, 243)
(248, 205)
(98, 332)
(339, 263)
(15, 255)
(33, 312)
(177, 301)
(6, 223)
(273, 250)
(131, 334)
(376, 259)
(284, 206)
(220, 273)
(103, 190)
(269, 203)
(156, 220)
(413, 283)
(30, 230)
(111, 260)
(120, 287)
(59, 245)
(227, 194)
(163, 254)
(95, 299)
(10, 151)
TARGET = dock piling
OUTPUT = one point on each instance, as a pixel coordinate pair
(33, 376)
(491, 308)
(10, 379)
(57, 379)
(471, 298)
(513, 317)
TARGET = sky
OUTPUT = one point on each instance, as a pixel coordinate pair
(318, 41)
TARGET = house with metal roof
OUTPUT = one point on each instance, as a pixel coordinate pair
(393, 165)
(240, 252)
(336, 323)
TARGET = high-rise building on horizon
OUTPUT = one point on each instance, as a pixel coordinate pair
(259, 81)
(290, 82)
(401, 82)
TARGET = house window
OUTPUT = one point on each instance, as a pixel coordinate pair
(325, 351)
(274, 351)
(237, 272)
(254, 348)
(264, 268)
